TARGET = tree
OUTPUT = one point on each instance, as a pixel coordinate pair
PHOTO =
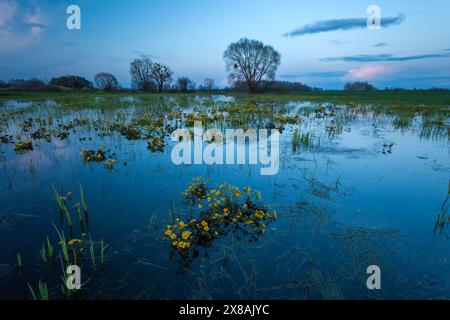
(106, 81)
(141, 74)
(73, 82)
(208, 84)
(359, 86)
(184, 84)
(161, 75)
(251, 61)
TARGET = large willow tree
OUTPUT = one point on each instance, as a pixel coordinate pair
(251, 61)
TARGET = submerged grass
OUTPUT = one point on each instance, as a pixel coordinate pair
(443, 219)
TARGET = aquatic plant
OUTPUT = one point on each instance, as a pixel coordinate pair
(23, 146)
(92, 251)
(83, 204)
(42, 133)
(99, 155)
(295, 140)
(63, 134)
(102, 251)
(43, 291)
(223, 209)
(156, 144)
(443, 218)
(94, 155)
(50, 250)
(62, 207)
(19, 261)
(63, 244)
(43, 254)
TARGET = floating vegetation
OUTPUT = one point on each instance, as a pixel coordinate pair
(222, 210)
(100, 155)
(42, 133)
(156, 144)
(130, 131)
(23, 146)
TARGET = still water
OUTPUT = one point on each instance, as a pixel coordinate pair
(355, 187)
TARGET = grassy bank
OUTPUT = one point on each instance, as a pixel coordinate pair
(439, 99)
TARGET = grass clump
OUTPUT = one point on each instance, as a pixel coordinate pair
(23, 146)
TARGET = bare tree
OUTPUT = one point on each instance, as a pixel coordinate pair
(161, 75)
(141, 74)
(208, 84)
(251, 61)
(106, 81)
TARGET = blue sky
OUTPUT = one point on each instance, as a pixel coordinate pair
(322, 43)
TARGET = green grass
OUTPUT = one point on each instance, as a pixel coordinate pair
(19, 261)
(405, 98)
(83, 204)
(62, 207)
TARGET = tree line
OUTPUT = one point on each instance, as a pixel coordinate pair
(251, 66)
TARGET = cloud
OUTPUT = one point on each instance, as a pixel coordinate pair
(380, 44)
(341, 24)
(385, 57)
(324, 74)
(368, 72)
(338, 42)
(20, 26)
(7, 11)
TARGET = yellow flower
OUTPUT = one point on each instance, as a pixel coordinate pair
(183, 244)
(73, 241)
(200, 206)
(182, 224)
(204, 225)
(186, 235)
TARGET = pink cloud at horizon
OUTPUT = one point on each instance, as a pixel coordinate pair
(369, 72)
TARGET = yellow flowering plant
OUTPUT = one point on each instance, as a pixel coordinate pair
(99, 155)
(223, 209)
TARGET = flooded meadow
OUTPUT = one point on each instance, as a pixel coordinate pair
(91, 182)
